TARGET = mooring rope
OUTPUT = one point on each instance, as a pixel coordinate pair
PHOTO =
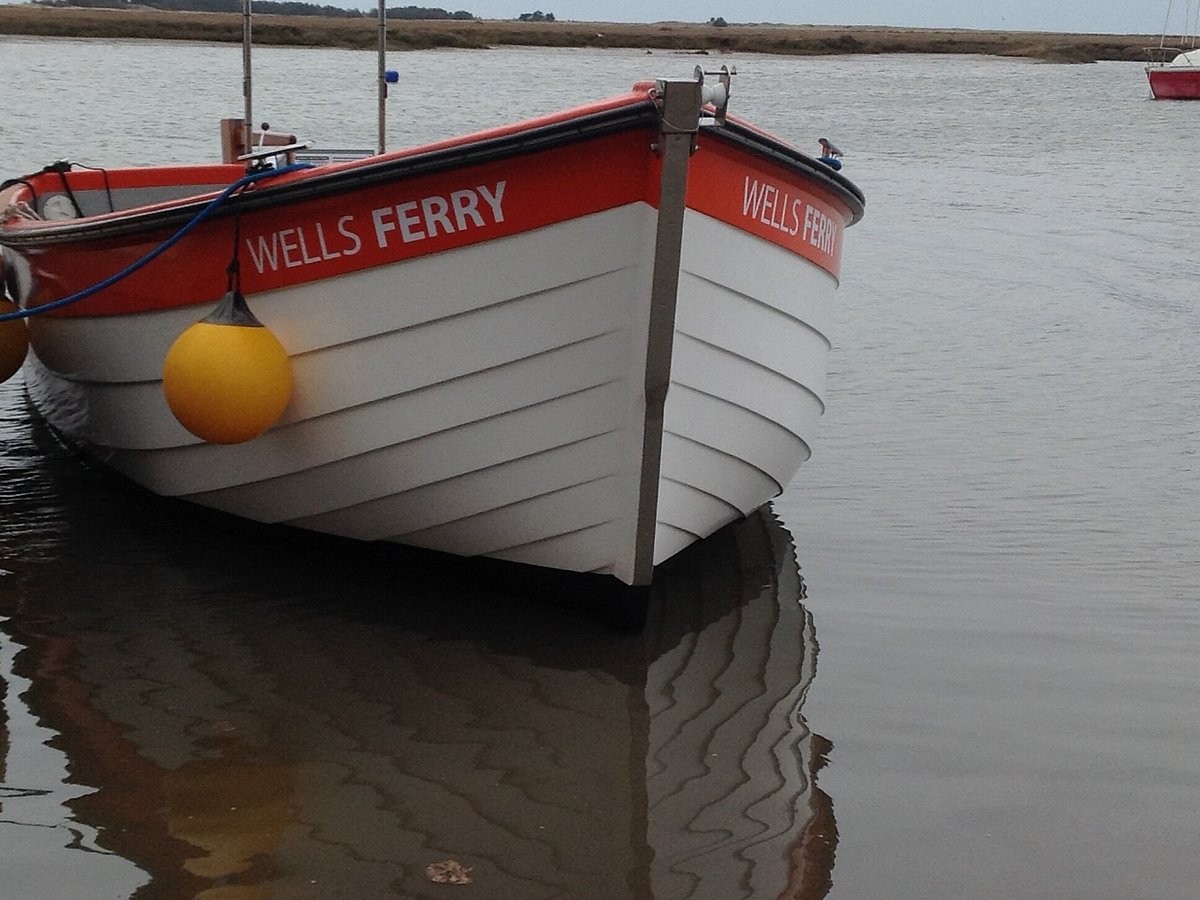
(161, 248)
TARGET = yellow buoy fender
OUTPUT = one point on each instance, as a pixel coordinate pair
(227, 378)
(14, 342)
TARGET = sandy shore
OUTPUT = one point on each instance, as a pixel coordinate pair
(799, 40)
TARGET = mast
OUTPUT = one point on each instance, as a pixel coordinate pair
(382, 75)
(248, 122)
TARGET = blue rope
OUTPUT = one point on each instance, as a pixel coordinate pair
(160, 249)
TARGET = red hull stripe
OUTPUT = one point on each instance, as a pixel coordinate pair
(1166, 84)
(769, 200)
(322, 237)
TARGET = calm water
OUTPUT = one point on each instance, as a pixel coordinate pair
(998, 536)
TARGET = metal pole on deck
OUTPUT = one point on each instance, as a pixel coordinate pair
(248, 126)
(679, 123)
(382, 76)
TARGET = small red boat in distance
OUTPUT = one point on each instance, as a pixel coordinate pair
(1174, 73)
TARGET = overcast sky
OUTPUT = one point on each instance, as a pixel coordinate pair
(1100, 16)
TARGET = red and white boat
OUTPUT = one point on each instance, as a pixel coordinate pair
(583, 341)
(1173, 67)
(1174, 73)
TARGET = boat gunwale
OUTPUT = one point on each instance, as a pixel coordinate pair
(636, 111)
(321, 181)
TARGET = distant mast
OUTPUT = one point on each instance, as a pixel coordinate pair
(248, 123)
(382, 75)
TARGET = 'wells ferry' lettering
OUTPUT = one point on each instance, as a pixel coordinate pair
(417, 220)
(291, 247)
(775, 208)
(401, 223)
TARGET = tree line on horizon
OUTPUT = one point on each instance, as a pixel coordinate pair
(271, 7)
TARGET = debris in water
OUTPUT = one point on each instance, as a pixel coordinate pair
(448, 872)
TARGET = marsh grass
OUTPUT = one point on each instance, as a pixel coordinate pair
(796, 40)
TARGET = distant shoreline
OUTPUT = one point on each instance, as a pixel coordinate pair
(793, 40)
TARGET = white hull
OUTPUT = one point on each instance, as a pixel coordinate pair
(509, 425)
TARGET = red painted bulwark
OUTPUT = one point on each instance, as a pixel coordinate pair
(394, 215)
(769, 201)
(316, 239)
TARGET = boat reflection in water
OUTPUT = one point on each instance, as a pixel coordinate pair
(228, 720)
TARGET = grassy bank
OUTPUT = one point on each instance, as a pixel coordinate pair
(797, 40)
